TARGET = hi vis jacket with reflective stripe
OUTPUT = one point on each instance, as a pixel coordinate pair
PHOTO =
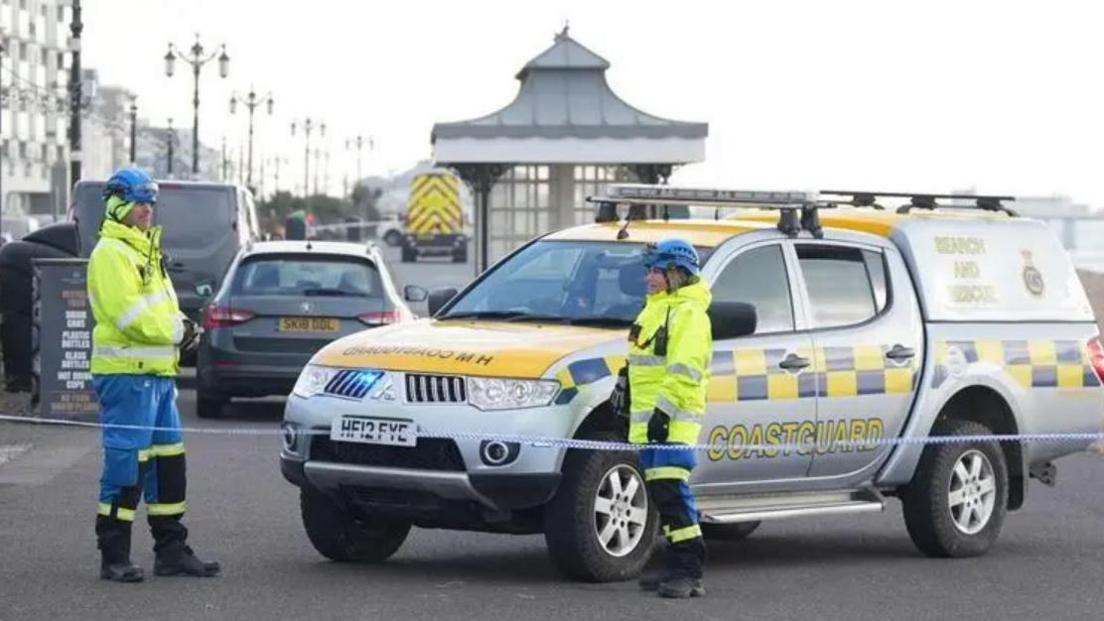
(676, 382)
(138, 321)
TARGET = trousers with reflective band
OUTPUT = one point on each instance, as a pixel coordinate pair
(673, 381)
(138, 320)
(667, 473)
(140, 460)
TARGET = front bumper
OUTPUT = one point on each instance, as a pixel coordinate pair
(449, 469)
(502, 492)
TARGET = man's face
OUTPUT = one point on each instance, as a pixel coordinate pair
(657, 280)
(141, 216)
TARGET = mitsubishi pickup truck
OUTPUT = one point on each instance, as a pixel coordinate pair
(863, 355)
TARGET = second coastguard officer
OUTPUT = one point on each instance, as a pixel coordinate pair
(139, 328)
(670, 350)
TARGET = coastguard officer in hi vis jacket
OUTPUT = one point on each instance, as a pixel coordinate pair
(670, 350)
(139, 329)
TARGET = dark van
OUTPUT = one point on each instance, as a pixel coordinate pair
(205, 225)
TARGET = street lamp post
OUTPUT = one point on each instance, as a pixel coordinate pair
(196, 60)
(172, 139)
(76, 26)
(251, 101)
(309, 125)
(134, 131)
(357, 142)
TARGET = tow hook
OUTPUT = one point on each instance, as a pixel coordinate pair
(1046, 473)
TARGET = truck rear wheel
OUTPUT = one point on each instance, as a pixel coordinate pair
(957, 500)
(341, 537)
(600, 526)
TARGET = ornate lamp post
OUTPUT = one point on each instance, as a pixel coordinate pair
(308, 126)
(251, 102)
(196, 59)
(133, 130)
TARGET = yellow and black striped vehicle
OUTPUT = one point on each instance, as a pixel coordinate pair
(435, 218)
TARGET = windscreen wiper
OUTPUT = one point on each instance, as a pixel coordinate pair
(604, 322)
(483, 315)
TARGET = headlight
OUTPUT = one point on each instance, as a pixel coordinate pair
(488, 393)
(313, 380)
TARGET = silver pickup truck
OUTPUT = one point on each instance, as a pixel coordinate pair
(845, 335)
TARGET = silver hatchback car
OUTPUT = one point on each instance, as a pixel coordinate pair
(278, 304)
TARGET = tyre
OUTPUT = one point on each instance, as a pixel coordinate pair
(600, 526)
(729, 532)
(392, 238)
(209, 405)
(957, 500)
(339, 536)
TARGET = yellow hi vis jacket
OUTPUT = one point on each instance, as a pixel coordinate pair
(138, 321)
(676, 382)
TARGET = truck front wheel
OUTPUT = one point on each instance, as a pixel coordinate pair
(957, 500)
(600, 526)
(341, 537)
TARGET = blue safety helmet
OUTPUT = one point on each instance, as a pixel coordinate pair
(673, 252)
(133, 185)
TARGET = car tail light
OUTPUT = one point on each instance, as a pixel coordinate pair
(380, 318)
(1096, 357)
(224, 317)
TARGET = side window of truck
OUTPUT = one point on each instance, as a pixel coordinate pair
(758, 276)
(846, 286)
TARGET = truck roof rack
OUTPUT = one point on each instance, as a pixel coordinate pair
(868, 198)
(797, 210)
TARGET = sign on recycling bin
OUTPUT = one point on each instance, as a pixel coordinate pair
(64, 322)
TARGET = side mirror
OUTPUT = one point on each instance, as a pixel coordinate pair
(439, 298)
(732, 319)
(414, 293)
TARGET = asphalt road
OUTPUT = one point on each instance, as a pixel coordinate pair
(1047, 564)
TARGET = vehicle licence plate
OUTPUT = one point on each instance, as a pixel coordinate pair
(369, 430)
(308, 324)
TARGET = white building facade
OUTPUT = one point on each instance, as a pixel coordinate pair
(33, 114)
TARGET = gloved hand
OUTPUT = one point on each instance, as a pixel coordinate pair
(191, 336)
(659, 426)
(619, 398)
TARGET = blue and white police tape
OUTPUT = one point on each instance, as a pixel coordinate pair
(1083, 439)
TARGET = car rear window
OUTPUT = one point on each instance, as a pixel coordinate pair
(307, 275)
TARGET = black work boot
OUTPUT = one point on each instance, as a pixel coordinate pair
(113, 538)
(681, 588)
(174, 557)
(181, 561)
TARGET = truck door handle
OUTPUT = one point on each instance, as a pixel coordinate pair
(793, 362)
(900, 352)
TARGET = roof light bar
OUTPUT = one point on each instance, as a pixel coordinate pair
(797, 210)
(664, 194)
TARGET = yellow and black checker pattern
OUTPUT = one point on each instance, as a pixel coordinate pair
(1034, 363)
(434, 205)
(755, 374)
(583, 372)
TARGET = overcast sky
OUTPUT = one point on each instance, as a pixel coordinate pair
(928, 96)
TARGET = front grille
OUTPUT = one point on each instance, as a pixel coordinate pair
(435, 389)
(352, 383)
(428, 454)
